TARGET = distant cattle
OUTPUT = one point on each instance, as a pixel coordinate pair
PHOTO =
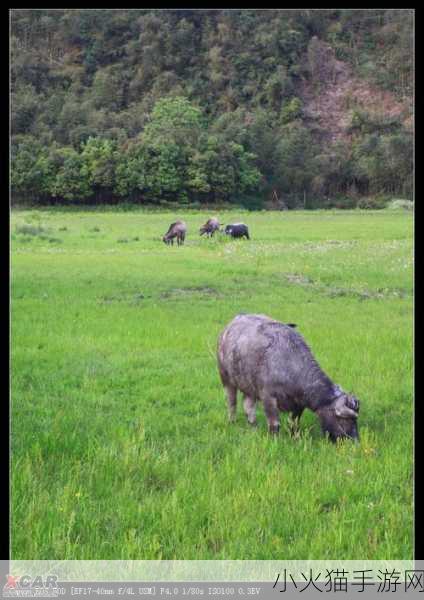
(176, 230)
(210, 227)
(237, 230)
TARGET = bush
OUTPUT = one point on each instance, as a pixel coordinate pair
(400, 203)
(372, 203)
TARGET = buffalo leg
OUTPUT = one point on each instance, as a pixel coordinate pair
(232, 401)
(249, 405)
(272, 414)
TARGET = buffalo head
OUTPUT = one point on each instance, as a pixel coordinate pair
(340, 418)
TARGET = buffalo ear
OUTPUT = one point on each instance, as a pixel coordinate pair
(343, 409)
(353, 403)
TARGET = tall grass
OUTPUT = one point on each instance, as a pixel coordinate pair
(120, 443)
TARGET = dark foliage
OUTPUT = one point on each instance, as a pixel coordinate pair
(188, 106)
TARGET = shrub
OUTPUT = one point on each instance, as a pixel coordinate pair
(372, 203)
(400, 203)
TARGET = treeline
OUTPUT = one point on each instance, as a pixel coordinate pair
(176, 157)
(202, 105)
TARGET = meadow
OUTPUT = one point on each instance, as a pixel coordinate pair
(120, 442)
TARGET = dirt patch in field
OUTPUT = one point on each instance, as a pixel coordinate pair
(334, 291)
(299, 279)
(136, 296)
(129, 297)
(28, 229)
(189, 291)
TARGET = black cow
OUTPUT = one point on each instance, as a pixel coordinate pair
(237, 230)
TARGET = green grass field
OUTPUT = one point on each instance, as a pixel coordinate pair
(121, 448)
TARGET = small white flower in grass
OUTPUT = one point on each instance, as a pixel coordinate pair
(349, 472)
(369, 450)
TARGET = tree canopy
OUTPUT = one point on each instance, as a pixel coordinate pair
(210, 105)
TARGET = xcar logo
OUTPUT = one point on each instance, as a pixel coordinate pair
(28, 586)
(11, 581)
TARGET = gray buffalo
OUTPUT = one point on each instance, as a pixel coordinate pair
(237, 230)
(176, 230)
(210, 227)
(269, 361)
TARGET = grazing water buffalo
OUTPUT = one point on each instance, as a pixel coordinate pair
(176, 230)
(269, 361)
(237, 230)
(210, 227)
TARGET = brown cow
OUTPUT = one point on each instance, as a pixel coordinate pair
(210, 227)
(176, 230)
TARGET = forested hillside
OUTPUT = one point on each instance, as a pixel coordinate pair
(258, 107)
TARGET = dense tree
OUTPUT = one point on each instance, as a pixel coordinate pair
(176, 157)
(98, 165)
(32, 172)
(205, 105)
(69, 182)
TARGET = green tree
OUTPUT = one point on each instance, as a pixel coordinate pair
(159, 84)
(385, 163)
(130, 170)
(25, 104)
(32, 170)
(69, 182)
(296, 166)
(226, 170)
(169, 143)
(98, 158)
